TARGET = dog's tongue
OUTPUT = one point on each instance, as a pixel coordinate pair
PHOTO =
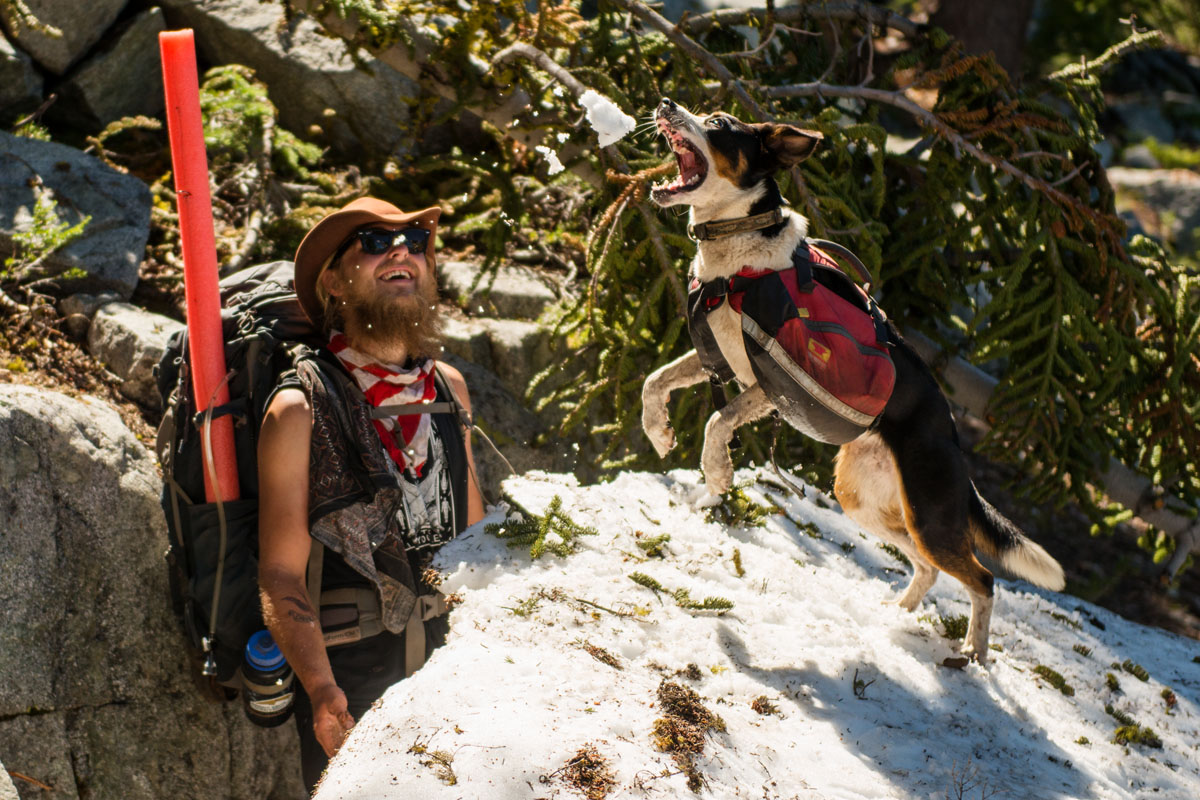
(687, 161)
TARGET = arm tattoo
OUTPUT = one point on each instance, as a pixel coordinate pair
(304, 613)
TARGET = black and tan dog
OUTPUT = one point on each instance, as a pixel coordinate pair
(905, 479)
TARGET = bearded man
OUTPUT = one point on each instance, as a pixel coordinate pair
(360, 485)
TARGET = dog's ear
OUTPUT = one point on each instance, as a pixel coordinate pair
(787, 144)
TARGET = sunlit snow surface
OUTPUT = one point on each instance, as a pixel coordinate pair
(510, 699)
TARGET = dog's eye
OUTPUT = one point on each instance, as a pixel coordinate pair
(719, 122)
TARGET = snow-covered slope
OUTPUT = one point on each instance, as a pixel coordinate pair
(857, 701)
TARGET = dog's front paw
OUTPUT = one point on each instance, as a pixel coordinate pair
(658, 429)
(977, 654)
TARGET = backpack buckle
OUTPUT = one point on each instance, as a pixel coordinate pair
(210, 663)
(713, 294)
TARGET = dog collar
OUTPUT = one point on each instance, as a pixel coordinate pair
(724, 227)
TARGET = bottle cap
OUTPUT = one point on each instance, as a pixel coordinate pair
(262, 652)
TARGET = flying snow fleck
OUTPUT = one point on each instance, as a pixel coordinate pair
(610, 123)
(551, 158)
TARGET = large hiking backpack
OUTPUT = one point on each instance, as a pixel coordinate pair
(818, 344)
(213, 554)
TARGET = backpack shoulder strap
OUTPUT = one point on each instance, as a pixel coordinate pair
(450, 405)
(453, 403)
(455, 425)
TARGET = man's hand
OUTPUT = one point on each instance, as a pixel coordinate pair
(331, 718)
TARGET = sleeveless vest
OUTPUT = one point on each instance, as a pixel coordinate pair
(383, 523)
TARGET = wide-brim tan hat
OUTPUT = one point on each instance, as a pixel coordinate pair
(319, 244)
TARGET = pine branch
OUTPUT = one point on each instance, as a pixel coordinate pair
(972, 388)
(1074, 208)
(1110, 57)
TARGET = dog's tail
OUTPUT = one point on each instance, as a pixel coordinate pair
(1001, 540)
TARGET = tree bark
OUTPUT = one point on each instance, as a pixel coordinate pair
(997, 27)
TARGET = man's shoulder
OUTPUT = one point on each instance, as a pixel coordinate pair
(455, 381)
(451, 374)
(288, 404)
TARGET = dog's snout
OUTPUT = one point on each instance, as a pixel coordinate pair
(666, 104)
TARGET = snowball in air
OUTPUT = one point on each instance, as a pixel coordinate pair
(610, 123)
(551, 159)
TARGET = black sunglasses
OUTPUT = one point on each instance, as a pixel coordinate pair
(377, 241)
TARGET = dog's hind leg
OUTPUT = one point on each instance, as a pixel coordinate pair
(748, 406)
(975, 643)
(867, 484)
(924, 576)
(683, 371)
(935, 491)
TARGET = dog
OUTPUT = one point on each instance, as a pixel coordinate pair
(906, 478)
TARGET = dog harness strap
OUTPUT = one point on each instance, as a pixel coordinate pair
(701, 334)
(716, 388)
(804, 269)
(715, 229)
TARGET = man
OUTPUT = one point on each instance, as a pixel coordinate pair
(354, 501)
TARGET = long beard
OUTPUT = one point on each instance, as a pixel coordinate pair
(409, 323)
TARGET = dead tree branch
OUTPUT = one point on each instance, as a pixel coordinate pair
(689, 46)
(257, 196)
(518, 50)
(791, 15)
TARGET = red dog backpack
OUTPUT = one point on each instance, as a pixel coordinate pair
(818, 344)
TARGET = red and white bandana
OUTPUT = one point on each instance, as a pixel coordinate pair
(406, 438)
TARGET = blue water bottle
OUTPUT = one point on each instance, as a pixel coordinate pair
(267, 694)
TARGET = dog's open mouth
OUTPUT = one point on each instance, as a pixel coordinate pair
(692, 167)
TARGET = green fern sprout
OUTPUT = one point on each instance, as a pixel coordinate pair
(47, 235)
(1130, 731)
(738, 569)
(1063, 618)
(642, 579)
(719, 604)
(1136, 670)
(553, 531)
(1055, 679)
(681, 596)
(895, 553)
(1137, 734)
(1117, 714)
(954, 627)
(654, 547)
(737, 510)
